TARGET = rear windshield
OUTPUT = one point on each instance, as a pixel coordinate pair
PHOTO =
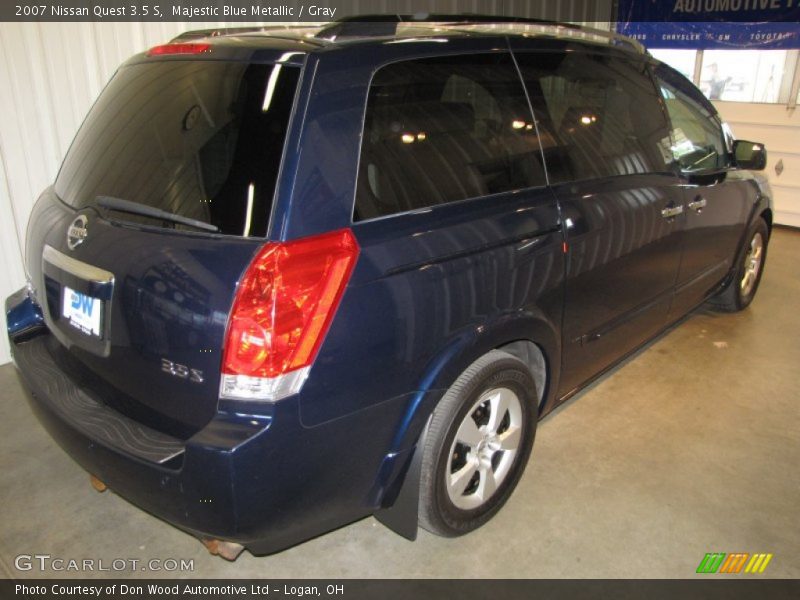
(200, 139)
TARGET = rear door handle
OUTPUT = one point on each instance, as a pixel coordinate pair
(672, 211)
(698, 204)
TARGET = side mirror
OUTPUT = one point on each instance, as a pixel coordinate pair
(749, 155)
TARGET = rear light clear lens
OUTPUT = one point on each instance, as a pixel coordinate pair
(284, 305)
(178, 49)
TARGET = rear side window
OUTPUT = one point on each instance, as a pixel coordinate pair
(445, 129)
(698, 141)
(598, 116)
(200, 139)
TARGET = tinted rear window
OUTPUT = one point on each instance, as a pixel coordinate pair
(444, 129)
(201, 139)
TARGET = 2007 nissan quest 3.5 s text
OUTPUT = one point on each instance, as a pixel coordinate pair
(289, 278)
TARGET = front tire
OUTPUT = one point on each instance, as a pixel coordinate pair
(742, 289)
(478, 443)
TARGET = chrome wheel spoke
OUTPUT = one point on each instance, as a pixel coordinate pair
(468, 433)
(487, 485)
(461, 478)
(499, 404)
(746, 280)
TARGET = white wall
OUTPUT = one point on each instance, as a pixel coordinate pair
(778, 128)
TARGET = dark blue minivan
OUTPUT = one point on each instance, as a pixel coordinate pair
(289, 278)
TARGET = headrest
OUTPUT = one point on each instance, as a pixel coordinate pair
(426, 117)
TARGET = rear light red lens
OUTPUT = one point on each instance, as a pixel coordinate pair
(179, 49)
(285, 303)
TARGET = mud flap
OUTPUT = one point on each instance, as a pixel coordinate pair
(402, 516)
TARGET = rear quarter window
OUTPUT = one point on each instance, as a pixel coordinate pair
(201, 139)
(444, 129)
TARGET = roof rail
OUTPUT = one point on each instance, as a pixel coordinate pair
(445, 18)
(568, 30)
(388, 25)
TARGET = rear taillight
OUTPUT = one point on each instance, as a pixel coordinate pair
(283, 307)
(178, 49)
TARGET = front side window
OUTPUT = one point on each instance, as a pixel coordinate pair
(598, 116)
(445, 129)
(697, 142)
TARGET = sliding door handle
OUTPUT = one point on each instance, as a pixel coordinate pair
(672, 211)
(698, 204)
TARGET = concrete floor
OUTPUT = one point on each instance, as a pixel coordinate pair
(692, 446)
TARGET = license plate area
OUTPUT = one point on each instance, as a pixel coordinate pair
(79, 302)
(82, 311)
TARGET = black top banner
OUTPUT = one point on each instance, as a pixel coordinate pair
(179, 10)
(629, 11)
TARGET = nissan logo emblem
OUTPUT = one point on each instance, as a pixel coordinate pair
(77, 232)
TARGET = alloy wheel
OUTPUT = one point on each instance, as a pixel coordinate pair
(484, 448)
(752, 264)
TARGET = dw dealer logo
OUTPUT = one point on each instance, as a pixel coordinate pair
(719, 562)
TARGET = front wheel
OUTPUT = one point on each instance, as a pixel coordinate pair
(740, 292)
(478, 442)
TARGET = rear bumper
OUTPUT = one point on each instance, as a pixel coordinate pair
(264, 481)
(193, 490)
(92, 418)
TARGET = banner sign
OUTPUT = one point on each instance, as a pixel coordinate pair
(718, 24)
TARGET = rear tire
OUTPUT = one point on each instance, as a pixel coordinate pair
(743, 287)
(478, 443)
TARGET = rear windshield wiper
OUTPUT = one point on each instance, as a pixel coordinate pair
(135, 208)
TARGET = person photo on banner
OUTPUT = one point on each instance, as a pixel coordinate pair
(716, 83)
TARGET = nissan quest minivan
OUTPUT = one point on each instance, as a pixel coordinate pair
(289, 278)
